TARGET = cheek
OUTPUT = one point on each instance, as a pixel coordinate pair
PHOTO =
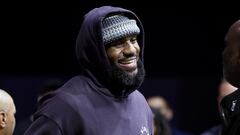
(138, 49)
(113, 54)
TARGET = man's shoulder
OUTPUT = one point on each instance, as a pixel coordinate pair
(137, 95)
(59, 107)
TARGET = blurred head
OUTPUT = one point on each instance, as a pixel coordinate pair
(162, 106)
(7, 114)
(120, 40)
(231, 55)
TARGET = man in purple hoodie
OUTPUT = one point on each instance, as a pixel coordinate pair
(103, 99)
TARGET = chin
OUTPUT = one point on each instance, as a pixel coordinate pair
(132, 73)
(128, 79)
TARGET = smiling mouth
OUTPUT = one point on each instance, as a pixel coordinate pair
(129, 64)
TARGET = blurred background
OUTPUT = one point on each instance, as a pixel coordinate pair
(182, 52)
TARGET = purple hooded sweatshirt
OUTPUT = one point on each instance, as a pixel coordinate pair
(87, 104)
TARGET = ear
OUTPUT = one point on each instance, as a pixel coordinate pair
(3, 119)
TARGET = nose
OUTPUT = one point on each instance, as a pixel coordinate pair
(130, 49)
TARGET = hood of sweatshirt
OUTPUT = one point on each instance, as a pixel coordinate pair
(90, 50)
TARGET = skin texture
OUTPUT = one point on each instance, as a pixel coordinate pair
(231, 55)
(7, 114)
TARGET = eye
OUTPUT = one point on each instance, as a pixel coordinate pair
(133, 40)
(117, 43)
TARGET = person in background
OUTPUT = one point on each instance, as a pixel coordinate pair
(225, 88)
(7, 113)
(161, 104)
(103, 99)
(230, 104)
(161, 126)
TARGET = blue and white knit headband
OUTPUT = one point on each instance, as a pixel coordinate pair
(117, 27)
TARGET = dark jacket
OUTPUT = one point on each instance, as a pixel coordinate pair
(87, 104)
(231, 113)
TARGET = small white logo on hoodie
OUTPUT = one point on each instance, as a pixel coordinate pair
(144, 131)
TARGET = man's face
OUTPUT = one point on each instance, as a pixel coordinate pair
(124, 53)
(127, 69)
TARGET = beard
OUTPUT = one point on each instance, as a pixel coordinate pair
(124, 82)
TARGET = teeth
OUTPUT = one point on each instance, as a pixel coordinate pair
(127, 62)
